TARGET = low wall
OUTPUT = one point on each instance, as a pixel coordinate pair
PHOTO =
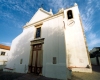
(1, 67)
(93, 61)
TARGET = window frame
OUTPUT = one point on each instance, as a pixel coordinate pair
(21, 61)
(3, 53)
(36, 32)
(38, 25)
(72, 15)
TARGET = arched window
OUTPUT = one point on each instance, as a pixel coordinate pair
(69, 14)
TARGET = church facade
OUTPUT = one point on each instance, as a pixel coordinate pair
(51, 44)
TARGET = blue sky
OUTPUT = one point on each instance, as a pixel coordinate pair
(14, 14)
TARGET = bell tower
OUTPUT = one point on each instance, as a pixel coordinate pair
(76, 48)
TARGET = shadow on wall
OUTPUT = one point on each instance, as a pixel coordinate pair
(56, 28)
(55, 34)
(20, 48)
(23, 44)
(54, 43)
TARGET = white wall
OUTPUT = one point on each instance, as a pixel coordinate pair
(75, 43)
(39, 15)
(3, 58)
(54, 46)
(20, 49)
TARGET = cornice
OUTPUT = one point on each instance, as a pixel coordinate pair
(46, 19)
(41, 9)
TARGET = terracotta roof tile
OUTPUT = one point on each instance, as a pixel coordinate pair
(4, 47)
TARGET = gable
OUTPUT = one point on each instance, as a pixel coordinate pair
(39, 15)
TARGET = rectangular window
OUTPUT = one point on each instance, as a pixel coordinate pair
(54, 60)
(2, 53)
(38, 32)
(21, 60)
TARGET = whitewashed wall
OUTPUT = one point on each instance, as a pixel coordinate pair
(54, 46)
(20, 49)
(39, 15)
(75, 43)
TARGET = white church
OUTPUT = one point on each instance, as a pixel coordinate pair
(51, 45)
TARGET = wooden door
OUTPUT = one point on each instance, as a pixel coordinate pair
(37, 59)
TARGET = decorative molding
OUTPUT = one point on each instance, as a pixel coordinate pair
(61, 13)
(45, 11)
(46, 19)
(37, 41)
(39, 24)
(71, 22)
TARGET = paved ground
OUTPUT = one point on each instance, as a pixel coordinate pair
(33, 77)
(95, 75)
(9, 76)
(19, 76)
(75, 76)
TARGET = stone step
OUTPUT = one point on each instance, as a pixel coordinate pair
(87, 70)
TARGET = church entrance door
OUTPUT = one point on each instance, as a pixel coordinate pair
(37, 58)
